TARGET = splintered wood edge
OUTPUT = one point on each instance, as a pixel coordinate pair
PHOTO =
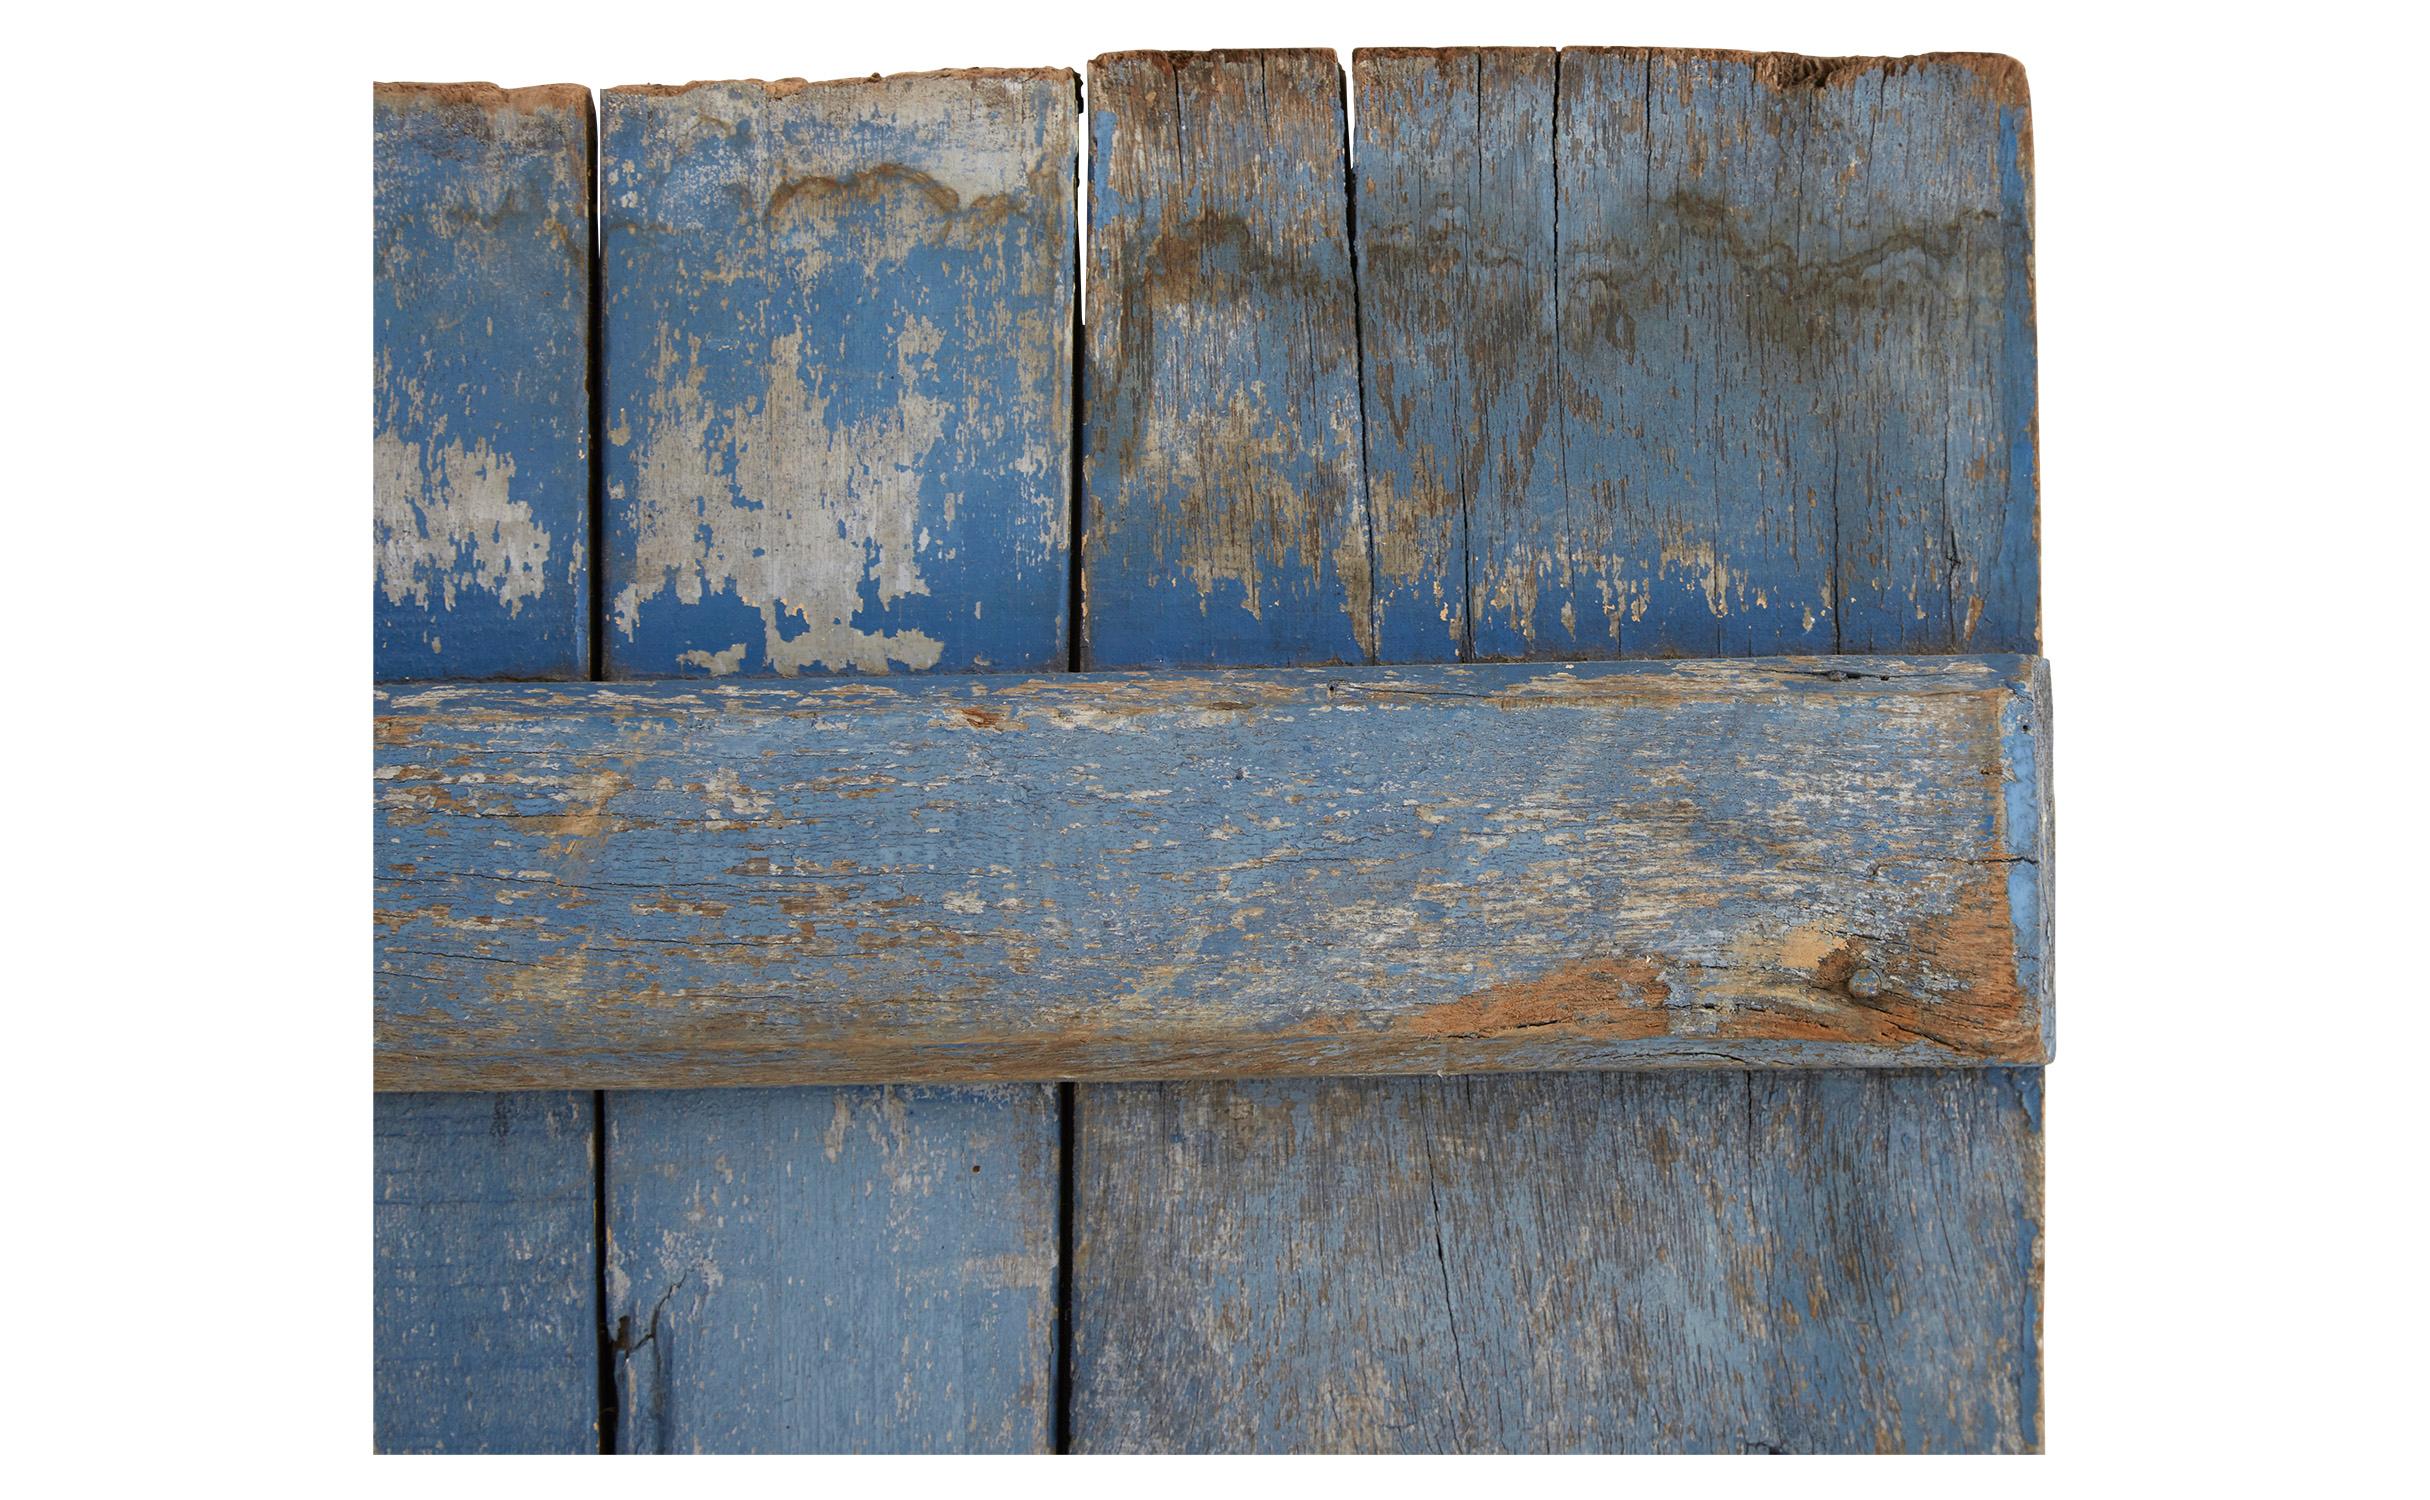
(786, 88)
(526, 100)
(1173, 62)
(2003, 77)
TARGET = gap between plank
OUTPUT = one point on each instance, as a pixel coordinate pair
(595, 575)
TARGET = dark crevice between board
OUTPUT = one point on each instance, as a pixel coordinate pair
(595, 573)
(1067, 1101)
(594, 378)
(1075, 515)
(1374, 632)
(1067, 1098)
(608, 1435)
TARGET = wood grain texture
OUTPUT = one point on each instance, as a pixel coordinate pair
(1807, 1262)
(1239, 1280)
(1459, 338)
(1223, 505)
(839, 371)
(1796, 352)
(834, 1270)
(1349, 870)
(1698, 354)
(484, 1294)
(838, 323)
(484, 1305)
(481, 278)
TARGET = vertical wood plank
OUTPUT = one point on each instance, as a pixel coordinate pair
(1720, 1262)
(481, 295)
(485, 1292)
(1742, 363)
(1223, 505)
(484, 1283)
(1696, 387)
(838, 366)
(834, 1270)
(1797, 351)
(1550, 1262)
(1457, 301)
(839, 327)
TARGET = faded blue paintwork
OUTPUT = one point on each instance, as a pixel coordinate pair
(1697, 360)
(834, 1270)
(484, 1301)
(1563, 1262)
(1740, 1263)
(480, 400)
(1760, 381)
(1223, 504)
(1891, 1166)
(839, 316)
(2026, 829)
(1320, 870)
(484, 1296)
(1937, 422)
(838, 368)
(1458, 336)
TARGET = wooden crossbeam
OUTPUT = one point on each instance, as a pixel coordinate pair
(1795, 861)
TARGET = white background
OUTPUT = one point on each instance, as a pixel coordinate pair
(2229, 261)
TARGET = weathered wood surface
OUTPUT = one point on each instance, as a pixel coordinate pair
(485, 1300)
(838, 323)
(481, 296)
(1238, 1280)
(1350, 870)
(1930, 482)
(839, 373)
(834, 1270)
(1757, 1262)
(1797, 349)
(1223, 504)
(1459, 343)
(1698, 354)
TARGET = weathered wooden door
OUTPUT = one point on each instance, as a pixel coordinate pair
(1600, 353)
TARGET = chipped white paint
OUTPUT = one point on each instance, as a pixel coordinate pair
(445, 519)
(792, 514)
(760, 460)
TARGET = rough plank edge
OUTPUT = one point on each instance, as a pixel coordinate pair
(2003, 76)
(1223, 1058)
(2029, 828)
(785, 88)
(524, 100)
(1172, 59)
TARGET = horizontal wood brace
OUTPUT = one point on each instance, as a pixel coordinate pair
(1793, 861)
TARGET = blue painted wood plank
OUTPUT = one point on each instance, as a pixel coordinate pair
(1223, 504)
(1761, 380)
(1761, 1262)
(1458, 295)
(484, 1286)
(834, 1270)
(1796, 353)
(838, 362)
(1561, 1263)
(485, 1308)
(481, 276)
(1336, 870)
(838, 358)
